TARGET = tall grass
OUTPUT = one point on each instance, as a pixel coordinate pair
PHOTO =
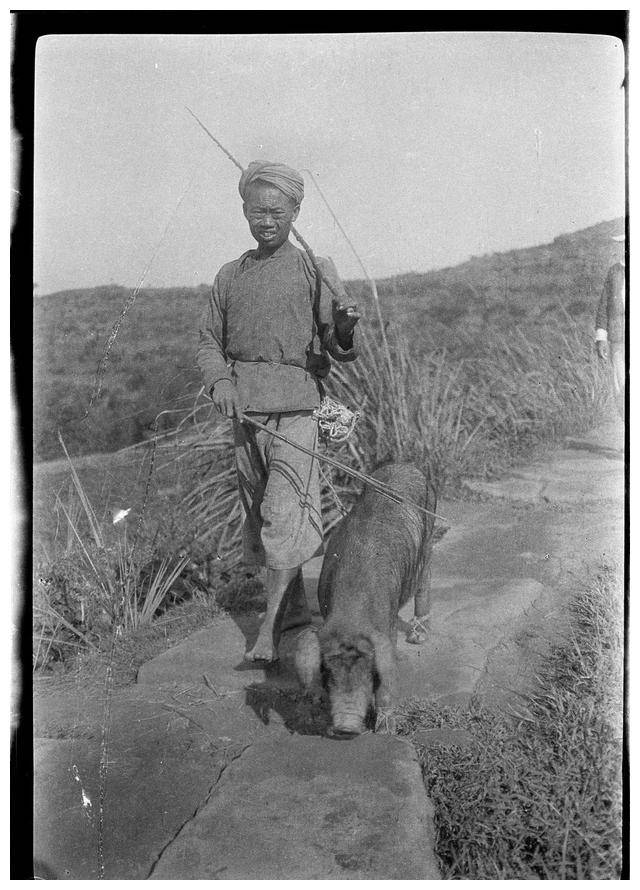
(99, 586)
(455, 416)
(474, 414)
(540, 796)
(462, 414)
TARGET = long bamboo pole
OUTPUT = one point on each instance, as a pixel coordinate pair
(376, 299)
(295, 232)
(381, 487)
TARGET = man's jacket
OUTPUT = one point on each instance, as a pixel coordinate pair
(269, 329)
(610, 314)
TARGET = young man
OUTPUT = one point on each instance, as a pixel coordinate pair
(270, 326)
(610, 326)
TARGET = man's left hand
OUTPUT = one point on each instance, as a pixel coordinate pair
(345, 318)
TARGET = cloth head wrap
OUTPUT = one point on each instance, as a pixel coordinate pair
(288, 180)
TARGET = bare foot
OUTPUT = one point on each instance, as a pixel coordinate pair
(263, 650)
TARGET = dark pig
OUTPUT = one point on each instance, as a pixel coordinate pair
(377, 559)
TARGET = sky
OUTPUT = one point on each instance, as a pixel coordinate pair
(430, 147)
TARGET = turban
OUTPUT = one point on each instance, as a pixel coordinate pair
(288, 180)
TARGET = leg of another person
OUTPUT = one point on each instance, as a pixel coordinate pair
(618, 369)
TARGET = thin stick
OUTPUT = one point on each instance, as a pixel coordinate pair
(381, 487)
(128, 303)
(295, 232)
(219, 144)
(374, 291)
(372, 284)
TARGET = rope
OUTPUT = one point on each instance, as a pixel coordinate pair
(103, 363)
(335, 421)
(381, 487)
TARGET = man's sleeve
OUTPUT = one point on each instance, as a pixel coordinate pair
(211, 353)
(602, 320)
(341, 351)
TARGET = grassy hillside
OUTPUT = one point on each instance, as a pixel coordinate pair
(152, 364)
(150, 368)
(499, 288)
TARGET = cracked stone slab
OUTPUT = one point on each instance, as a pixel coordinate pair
(569, 477)
(311, 808)
(469, 618)
(157, 777)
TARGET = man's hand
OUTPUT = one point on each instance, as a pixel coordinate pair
(345, 318)
(602, 348)
(225, 398)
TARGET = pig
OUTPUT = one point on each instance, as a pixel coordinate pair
(376, 559)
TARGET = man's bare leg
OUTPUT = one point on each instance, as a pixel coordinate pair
(266, 646)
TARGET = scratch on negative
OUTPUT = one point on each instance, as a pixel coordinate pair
(86, 800)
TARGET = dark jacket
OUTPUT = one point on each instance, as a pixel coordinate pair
(269, 329)
(610, 314)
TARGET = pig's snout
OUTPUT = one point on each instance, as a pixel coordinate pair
(348, 713)
(346, 725)
(344, 732)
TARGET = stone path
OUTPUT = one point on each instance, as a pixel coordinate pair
(217, 769)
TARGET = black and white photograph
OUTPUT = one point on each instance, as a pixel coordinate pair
(326, 563)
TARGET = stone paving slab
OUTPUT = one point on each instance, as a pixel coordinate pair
(150, 790)
(589, 471)
(218, 769)
(164, 753)
(469, 618)
(310, 808)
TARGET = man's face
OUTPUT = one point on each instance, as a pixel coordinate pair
(270, 214)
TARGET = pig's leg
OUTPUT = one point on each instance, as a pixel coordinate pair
(266, 646)
(296, 610)
(385, 659)
(307, 659)
(419, 627)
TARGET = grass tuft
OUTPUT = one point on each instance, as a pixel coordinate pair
(99, 586)
(537, 797)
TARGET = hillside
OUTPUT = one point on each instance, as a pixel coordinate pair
(569, 272)
(152, 364)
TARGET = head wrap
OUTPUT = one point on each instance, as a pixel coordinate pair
(284, 178)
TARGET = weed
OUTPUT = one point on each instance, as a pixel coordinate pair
(537, 797)
(102, 582)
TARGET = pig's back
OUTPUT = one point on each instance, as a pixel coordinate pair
(374, 551)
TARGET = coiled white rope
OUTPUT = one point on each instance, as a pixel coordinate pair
(335, 421)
